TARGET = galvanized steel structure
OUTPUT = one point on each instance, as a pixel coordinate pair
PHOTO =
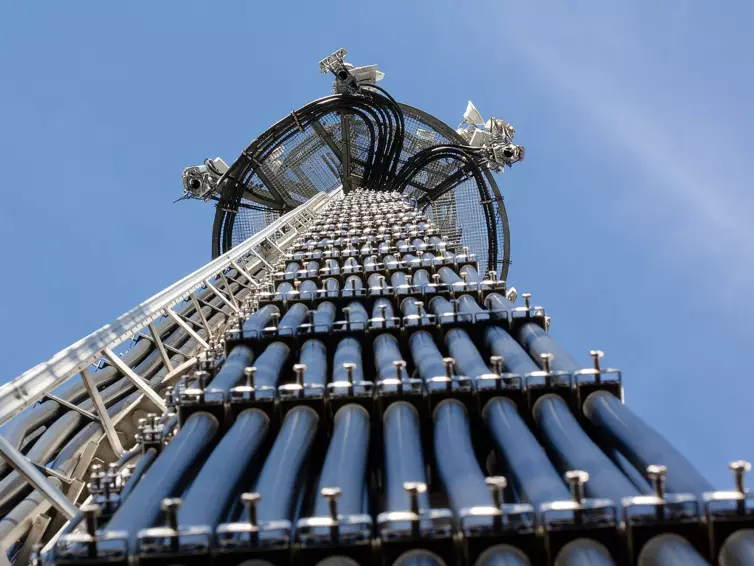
(353, 383)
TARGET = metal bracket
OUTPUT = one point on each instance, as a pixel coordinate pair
(99, 405)
(137, 380)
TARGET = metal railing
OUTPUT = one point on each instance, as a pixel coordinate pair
(40, 381)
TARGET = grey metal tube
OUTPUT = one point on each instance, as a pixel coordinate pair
(456, 462)
(231, 371)
(279, 481)
(260, 319)
(291, 270)
(584, 552)
(738, 549)
(670, 550)
(441, 306)
(467, 357)
(418, 557)
(387, 351)
(449, 276)
(308, 289)
(347, 351)
(641, 444)
(471, 274)
(515, 358)
(141, 467)
(358, 314)
(352, 283)
(165, 476)
(314, 356)
(377, 310)
(403, 455)
(324, 316)
(13, 485)
(295, 316)
(270, 363)
(502, 555)
(467, 304)
(574, 450)
(421, 279)
(331, 287)
(17, 521)
(346, 461)
(399, 283)
(214, 488)
(537, 342)
(427, 358)
(496, 302)
(535, 478)
(283, 290)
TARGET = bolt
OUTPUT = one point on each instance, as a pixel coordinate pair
(436, 278)
(170, 506)
(492, 275)
(739, 469)
(250, 502)
(250, 372)
(414, 489)
(419, 308)
(466, 250)
(400, 367)
(596, 355)
(548, 320)
(576, 480)
(349, 367)
(497, 364)
(331, 494)
(202, 378)
(300, 369)
(497, 485)
(454, 302)
(90, 512)
(656, 475)
(275, 317)
(527, 298)
(547, 362)
(347, 313)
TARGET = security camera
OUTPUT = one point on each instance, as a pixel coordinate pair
(201, 181)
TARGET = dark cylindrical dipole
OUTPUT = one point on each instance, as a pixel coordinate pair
(584, 552)
(346, 461)
(403, 456)
(217, 483)
(458, 469)
(641, 444)
(574, 450)
(165, 476)
(535, 478)
(670, 550)
(279, 480)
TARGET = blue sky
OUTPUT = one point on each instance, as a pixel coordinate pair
(630, 218)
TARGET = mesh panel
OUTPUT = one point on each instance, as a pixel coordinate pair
(308, 162)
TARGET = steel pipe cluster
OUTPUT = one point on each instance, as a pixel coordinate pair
(378, 387)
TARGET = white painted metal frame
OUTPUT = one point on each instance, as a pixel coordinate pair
(32, 385)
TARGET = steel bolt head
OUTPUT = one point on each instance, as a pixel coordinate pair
(596, 354)
(170, 504)
(414, 487)
(399, 364)
(739, 466)
(300, 368)
(249, 371)
(250, 498)
(576, 477)
(330, 493)
(91, 510)
(496, 483)
(655, 471)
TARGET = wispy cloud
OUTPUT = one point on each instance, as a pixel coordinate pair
(708, 202)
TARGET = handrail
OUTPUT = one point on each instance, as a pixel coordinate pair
(32, 385)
